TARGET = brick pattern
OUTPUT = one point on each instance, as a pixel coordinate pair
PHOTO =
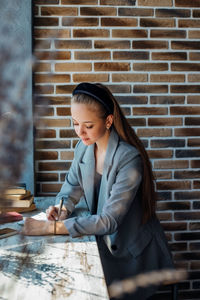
(147, 52)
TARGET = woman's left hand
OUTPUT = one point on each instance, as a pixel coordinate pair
(37, 227)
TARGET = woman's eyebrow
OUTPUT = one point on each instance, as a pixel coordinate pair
(83, 121)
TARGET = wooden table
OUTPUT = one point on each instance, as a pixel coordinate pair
(50, 267)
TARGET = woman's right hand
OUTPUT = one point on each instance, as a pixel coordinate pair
(52, 213)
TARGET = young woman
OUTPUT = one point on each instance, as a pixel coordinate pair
(112, 171)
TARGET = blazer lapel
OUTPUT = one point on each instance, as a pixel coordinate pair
(87, 167)
(111, 149)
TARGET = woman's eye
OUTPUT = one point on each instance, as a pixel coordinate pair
(89, 127)
(74, 124)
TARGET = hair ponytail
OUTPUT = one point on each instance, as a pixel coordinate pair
(127, 133)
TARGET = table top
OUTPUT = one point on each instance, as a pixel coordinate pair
(50, 267)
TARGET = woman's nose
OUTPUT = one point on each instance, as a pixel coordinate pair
(80, 130)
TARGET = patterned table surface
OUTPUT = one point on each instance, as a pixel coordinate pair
(50, 267)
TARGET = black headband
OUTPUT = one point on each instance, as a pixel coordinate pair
(95, 92)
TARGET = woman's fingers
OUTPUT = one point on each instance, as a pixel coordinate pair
(52, 213)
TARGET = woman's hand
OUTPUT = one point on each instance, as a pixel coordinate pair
(37, 227)
(52, 213)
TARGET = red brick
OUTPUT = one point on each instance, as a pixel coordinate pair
(117, 44)
(192, 121)
(45, 133)
(194, 34)
(165, 121)
(188, 45)
(52, 100)
(173, 13)
(196, 184)
(42, 67)
(187, 131)
(41, 44)
(44, 89)
(52, 55)
(163, 175)
(186, 174)
(63, 111)
(140, 12)
(53, 144)
(164, 216)
(64, 89)
(122, 22)
(154, 132)
(150, 66)
(134, 100)
(185, 89)
(128, 55)
(188, 23)
(98, 11)
(92, 55)
(167, 143)
(119, 88)
(73, 67)
(167, 100)
(111, 66)
(46, 21)
(51, 188)
(185, 110)
(46, 177)
(59, 11)
(144, 44)
(51, 33)
(167, 78)
(160, 154)
(152, 22)
(186, 3)
(67, 155)
(194, 142)
(51, 78)
(195, 164)
(46, 155)
(95, 77)
(54, 166)
(46, 2)
(155, 2)
(124, 77)
(45, 111)
(79, 2)
(194, 77)
(76, 21)
(174, 185)
(137, 122)
(171, 164)
(193, 99)
(54, 123)
(90, 33)
(67, 133)
(149, 111)
(159, 33)
(150, 89)
(169, 56)
(173, 206)
(131, 33)
(118, 2)
(73, 44)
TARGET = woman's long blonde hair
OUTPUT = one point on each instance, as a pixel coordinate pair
(127, 133)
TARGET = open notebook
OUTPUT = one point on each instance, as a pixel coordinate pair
(41, 216)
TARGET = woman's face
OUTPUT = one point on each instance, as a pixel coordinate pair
(87, 124)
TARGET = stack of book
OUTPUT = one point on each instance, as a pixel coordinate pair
(16, 199)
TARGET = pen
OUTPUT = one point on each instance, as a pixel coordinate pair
(60, 207)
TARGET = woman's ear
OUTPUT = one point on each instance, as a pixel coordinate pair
(109, 121)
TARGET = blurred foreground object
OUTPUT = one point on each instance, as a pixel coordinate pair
(130, 285)
(15, 111)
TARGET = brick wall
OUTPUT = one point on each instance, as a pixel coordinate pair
(147, 52)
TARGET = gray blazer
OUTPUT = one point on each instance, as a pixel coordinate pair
(117, 224)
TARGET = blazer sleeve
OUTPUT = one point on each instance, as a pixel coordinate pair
(71, 191)
(122, 194)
